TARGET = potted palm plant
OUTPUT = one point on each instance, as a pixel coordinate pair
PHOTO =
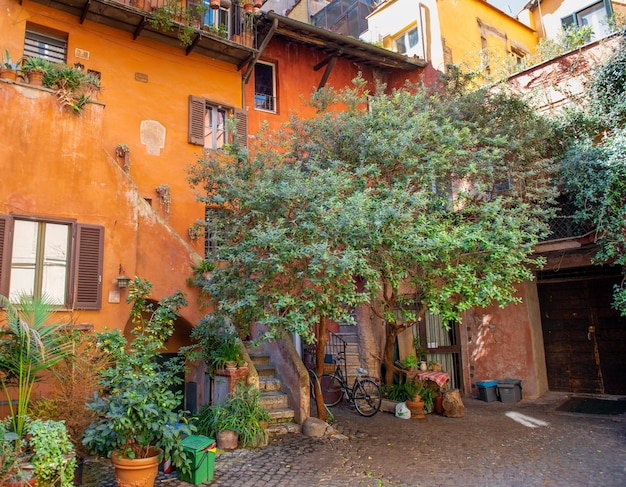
(30, 345)
(138, 421)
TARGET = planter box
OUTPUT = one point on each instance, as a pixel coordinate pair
(388, 406)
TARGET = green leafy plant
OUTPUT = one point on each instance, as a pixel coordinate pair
(401, 392)
(410, 362)
(53, 453)
(9, 461)
(139, 411)
(217, 343)
(30, 345)
(242, 412)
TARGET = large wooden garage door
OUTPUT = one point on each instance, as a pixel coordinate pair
(584, 337)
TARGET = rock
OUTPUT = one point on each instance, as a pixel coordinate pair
(315, 427)
(452, 405)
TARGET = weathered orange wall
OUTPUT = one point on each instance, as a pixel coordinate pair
(296, 80)
(172, 77)
(505, 343)
(53, 165)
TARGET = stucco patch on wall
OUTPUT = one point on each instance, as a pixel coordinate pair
(152, 136)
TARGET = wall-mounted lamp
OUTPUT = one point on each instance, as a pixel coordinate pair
(122, 280)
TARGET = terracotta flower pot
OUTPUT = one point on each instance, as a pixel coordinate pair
(227, 439)
(6, 73)
(131, 472)
(416, 408)
(35, 78)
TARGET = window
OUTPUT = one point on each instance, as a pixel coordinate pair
(59, 259)
(40, 43)
(407, 41)
(208, 127)
(264, 87)
(595, 16)
(217, 19)
(213, 234)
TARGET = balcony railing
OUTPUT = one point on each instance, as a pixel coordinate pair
(227, 33)
(229, 21)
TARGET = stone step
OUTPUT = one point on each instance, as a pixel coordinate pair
(276, 415)
(260, 359)
(274, 400)
(276, 429)
(266, 370)
(269, 384)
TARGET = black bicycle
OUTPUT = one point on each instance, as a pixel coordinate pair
(365, 393)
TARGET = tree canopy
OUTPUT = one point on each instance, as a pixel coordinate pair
(384, 198)
(594, 164)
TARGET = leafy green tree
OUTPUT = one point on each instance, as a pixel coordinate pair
(594, 166)
(440, 195)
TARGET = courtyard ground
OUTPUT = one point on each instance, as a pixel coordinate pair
(528, 444)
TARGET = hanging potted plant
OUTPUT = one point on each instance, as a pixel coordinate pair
(137, 423)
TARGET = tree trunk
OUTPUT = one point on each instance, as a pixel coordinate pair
(390, 344)
(322, 338)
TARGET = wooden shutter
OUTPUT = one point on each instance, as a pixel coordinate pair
(88, 266)
(5, 254)
(197, 107)
(241, 127)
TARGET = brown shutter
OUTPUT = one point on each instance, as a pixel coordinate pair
(5, 254)
(197, 107)
(241, 127)
(88, 266)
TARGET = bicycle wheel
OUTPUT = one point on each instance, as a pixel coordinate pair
(331, 389)
(367, 397)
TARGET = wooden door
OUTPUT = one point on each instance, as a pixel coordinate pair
(584, 337)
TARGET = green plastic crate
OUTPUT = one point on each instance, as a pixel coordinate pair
(200, 450)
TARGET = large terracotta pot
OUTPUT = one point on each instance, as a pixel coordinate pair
(137, 472)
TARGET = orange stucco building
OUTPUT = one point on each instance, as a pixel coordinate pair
(87, 198)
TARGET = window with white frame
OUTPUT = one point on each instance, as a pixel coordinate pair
(595, 16)
(217, 19)
(41, 43)
(61, 260)
(265, 87)
(406, 42)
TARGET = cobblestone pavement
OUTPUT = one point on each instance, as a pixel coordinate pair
(485, 448)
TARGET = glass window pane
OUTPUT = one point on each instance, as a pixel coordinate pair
(208, 128)
(413, 38)
(400, 45)
(23, 260)
(54, 265)
(220, 130)
(595, 17)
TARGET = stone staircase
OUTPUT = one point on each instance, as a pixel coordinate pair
(273, 399)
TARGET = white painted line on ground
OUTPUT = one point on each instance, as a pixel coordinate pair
(526, 420)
